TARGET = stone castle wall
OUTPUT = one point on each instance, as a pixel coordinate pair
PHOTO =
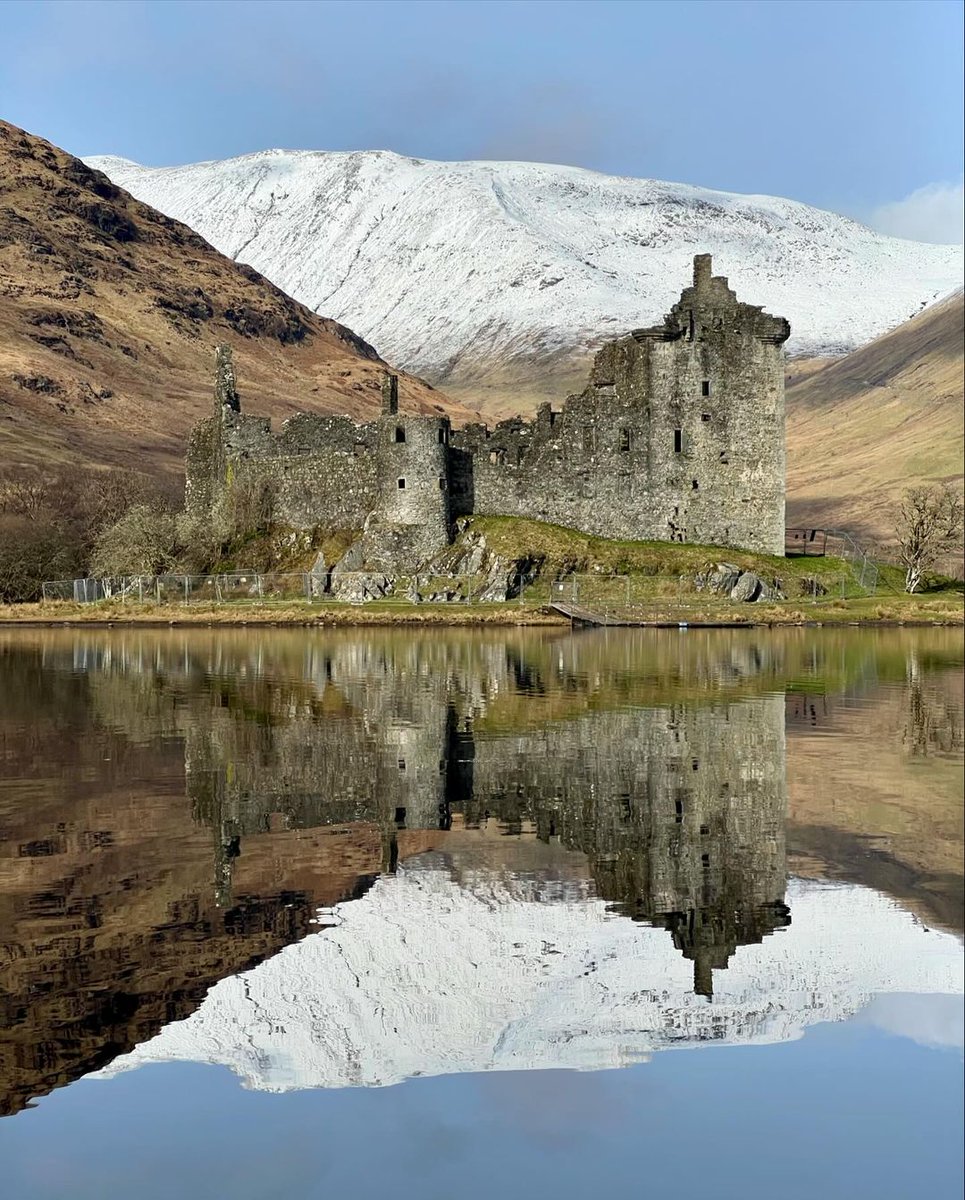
(678, 436)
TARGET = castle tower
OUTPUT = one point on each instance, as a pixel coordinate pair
(714, 377)
(413, 479)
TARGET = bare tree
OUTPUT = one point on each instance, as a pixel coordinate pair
(928, 525)
(141, 542)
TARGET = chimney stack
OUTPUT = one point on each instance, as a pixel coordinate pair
(390, 395)
(702, 269)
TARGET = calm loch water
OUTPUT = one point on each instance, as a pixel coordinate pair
(308, 914)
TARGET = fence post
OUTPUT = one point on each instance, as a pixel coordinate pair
(157, 588)
(140, 588)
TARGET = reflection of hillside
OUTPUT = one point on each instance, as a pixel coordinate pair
(184, 802)
(875, 791)
(111, 929)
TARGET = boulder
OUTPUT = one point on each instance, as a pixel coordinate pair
(747, 588)
(722, 579)
(358, 587)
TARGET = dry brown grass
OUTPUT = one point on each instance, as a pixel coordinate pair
(863, 428)
(945, 608)
(283, 613)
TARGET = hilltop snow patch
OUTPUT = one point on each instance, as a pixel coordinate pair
(449, 266)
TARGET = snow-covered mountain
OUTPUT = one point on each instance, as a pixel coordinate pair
(453, 269)
(425, 975)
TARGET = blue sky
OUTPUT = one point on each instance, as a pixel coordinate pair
(853, 105)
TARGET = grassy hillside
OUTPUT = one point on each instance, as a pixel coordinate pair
(861, 429)
(563, 551)
(110, 313)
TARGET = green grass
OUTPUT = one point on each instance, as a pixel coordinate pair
(562, 551)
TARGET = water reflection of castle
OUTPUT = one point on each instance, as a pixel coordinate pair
(679, 807)
(177, 807)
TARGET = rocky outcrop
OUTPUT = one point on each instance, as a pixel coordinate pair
(495, 576)
(744, 587)
(468, 570)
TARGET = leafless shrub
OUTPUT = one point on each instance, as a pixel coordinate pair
(50, 520)
(143, 541)
(250, 505)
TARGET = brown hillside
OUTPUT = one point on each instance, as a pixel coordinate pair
(109, 315)
(862, 428)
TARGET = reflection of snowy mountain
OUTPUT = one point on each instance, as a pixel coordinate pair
(424, 976)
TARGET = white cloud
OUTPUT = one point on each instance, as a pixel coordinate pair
(933, 213)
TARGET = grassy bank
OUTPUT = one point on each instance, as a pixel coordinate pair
(286, 612)
(940, 608)
(638, 582)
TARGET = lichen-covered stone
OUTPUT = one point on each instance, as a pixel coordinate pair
(748, 587)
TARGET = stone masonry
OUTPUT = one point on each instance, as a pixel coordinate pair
(678, 436)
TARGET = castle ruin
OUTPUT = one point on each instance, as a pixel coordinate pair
(678, 436)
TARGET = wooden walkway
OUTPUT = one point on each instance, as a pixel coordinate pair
(585, 617)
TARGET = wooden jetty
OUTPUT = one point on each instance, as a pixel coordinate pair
(586, 618)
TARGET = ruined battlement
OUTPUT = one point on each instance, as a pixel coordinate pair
(678, 436)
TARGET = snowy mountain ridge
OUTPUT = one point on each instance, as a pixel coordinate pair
(427, 976)
(450, 268)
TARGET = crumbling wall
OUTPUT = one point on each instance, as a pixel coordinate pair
(678, 436)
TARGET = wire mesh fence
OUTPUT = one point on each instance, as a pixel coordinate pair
(842, 545)
(257, 587)
(603, 593)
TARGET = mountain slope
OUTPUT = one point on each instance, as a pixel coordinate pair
(861, 429)
(109, 315)
(495, 279)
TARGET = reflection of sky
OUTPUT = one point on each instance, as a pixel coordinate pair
(928, 1020)
(848, 1111)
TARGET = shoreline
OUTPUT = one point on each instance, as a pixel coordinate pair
(924, 611)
